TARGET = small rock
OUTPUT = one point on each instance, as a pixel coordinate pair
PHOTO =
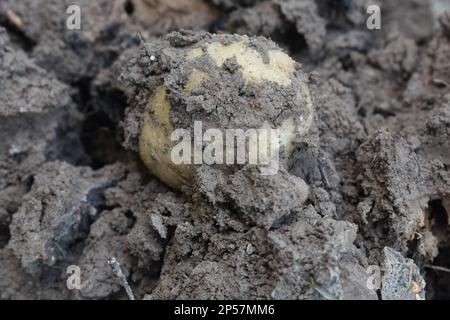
(402, 279)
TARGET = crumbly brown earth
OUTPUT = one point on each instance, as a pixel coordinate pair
(369, 186)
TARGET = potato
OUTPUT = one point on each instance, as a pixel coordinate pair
(226, 82)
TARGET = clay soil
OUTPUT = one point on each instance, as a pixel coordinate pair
(361, 212)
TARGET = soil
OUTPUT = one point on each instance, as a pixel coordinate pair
(366, 192)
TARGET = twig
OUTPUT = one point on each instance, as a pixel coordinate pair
(437, 268)
(152, 57)
(140, 37)
(115, 266)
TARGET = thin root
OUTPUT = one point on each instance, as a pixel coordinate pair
(437, 268)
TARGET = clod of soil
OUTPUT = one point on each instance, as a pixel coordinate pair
(360, 206)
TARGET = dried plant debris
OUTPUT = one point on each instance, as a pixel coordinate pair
(86, 175)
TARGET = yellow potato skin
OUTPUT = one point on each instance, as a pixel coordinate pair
(155, 144)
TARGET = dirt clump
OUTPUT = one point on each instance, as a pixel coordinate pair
(365, 187)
